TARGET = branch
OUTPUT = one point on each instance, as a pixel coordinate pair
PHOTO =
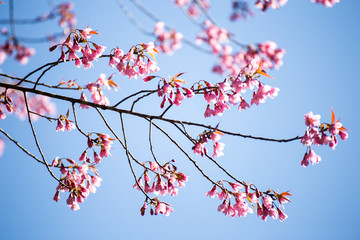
(142, 115)
(151, 146)
(21, 147)
(37, 143)
(133, 95)
(129, 160)
(39, 84)
(76, 121)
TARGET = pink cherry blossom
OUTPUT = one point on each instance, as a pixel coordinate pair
(2, 147)
(312, 120)
(212, 193)
(218, 149)
(326, 3)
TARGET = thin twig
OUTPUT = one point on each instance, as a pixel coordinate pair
(139, 98)
(132, 95)
(21, 147)
(120, 141)
(167, 109)
(129, 160)
(132, 19)
(76, 121)
(151, 146)
(37, 142)
(39, 84)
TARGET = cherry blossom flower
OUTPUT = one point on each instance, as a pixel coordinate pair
(2, 147)
(326, 3)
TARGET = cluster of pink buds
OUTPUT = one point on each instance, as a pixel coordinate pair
(268, 51)
(316, 134)
(6, 100)
(192, 7)
(95, 89)
(67, 17)
(22, 53)
(265, 4)
(326, 3)
(14, 102)
(167, 180)
(167, 42)
(76, 179)
(230, 91)
(69, 125)
(135, 63)
(265, 201)
(97, 95)
(160, 207)
(171, 91)
(214, 36)
(214, 135)
(78, 41)
(240, 10)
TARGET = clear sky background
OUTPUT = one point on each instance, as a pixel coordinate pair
(320, 70)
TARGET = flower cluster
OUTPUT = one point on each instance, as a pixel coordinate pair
(171, 91)
(78, 41)
(265, 4)
(326, 3)
(69, 125)
(135, 63)
(67, 17)
(21, 52)
(167, 42)
(214, 135)
(240, 10)
(76, 178)
(95, 89)
(230, 91)
(14, 102)
(268, 51)
(167, 180)
(265, 201)
(221, 95)
(160, 207)
(320, 134)
(214, 36)
(192, 7)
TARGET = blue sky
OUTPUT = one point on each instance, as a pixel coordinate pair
(319, 72)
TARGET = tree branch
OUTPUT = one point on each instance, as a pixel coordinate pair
(142, 115)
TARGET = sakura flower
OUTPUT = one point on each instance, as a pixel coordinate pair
(313, 157)
(212, 193)
(69, 125)
(57, 196)
(218, 149)
(312, 120)
(326, 3)
(97, 158)
(60, 126)
(282, 215)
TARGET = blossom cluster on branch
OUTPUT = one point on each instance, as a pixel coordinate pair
(320, 134)
(13, 45)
